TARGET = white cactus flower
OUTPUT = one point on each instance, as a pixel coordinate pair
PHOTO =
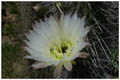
(57, 42)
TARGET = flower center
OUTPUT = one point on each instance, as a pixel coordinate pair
(57, 51)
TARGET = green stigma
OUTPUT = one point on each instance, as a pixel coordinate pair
(57, 51)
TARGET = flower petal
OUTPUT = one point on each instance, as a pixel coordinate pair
(79, 47)
(28, 57)
(58, 70)
(83, 55)
(85, 31)
(79, 54)
(88, 45)
(38, 65)
(68, 66)
(75, 56)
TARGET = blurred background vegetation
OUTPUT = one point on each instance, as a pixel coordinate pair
(17, 19)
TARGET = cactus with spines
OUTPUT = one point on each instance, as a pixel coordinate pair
(102, 17)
